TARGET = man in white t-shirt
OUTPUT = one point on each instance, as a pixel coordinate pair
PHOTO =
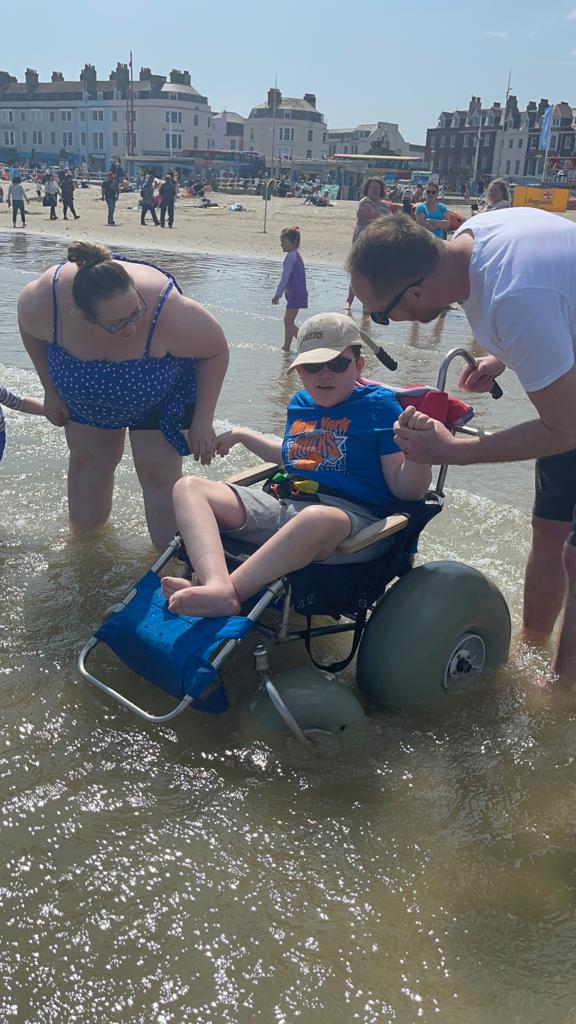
(514, 272)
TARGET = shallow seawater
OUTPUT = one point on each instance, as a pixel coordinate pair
(424, 870)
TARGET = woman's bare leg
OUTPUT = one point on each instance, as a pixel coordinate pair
(94, 455)
(311, 536)
(158, 466)
(290, 329)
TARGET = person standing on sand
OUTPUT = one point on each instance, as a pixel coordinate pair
(292, 284)
(147, 196)
(51, 191)
(110, 194)
(17, 197)
(116, 345)
(68, 187)
(167, 196)
(514, 273)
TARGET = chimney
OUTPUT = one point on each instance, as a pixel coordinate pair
(57, 76)
(274, 98)
(121, 76)
(310, 98)
(474, 105)
(542, 107)
(145, 74)
(179, 77)
(88, 77)
(31, 79)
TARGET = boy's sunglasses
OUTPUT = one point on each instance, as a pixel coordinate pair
(337, 365)
(383, 318)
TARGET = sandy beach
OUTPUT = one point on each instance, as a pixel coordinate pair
(326, 232)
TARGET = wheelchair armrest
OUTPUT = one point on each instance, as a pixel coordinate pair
(252, 476)
(372, 534)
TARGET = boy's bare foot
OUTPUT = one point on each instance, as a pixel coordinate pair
(171, 584)
(208, 602)
(347, 308)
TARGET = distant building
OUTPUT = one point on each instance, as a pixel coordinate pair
(86, 121)
(496, 141)
(381, 137)
(228, 130)
(287, 128)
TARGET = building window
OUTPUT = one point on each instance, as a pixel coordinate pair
(195, 143)
(510, 143)
(232, 143)
(324, 137)
(114, 115)
(195, 120)
(8, 138)
(517, 167)
(452, 141)
(99, 95)
(97, 115)
(22, 115)
(82, 138)
(209, 122)
(52, 138)
(520, 143)
(173, 140)
(98, 141)
(35, 116)
(23, 137)
(52, 116)
(7, 116)
(507, 167)
(82, 115)
(533, 143)
(173, 117)
(67, 139)
(65, 115)
(115, 138)
(37, 139)
(310, 135)
(554, 142)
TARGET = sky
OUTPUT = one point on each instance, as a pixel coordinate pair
(377, 61)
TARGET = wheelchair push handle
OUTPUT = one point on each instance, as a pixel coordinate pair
(381, 355)
(495, 390)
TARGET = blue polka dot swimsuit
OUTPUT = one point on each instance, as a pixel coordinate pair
(102, 393)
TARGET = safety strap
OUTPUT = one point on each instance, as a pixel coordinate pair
(337, 666)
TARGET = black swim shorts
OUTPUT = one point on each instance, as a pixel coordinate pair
(152, 422)
(556, 489)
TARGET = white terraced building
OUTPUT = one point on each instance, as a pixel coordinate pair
(287, 128)
(86, 121)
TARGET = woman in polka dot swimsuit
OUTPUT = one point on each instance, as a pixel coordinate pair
(116, 345)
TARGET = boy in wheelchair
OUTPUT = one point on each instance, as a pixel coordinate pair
(344, 472)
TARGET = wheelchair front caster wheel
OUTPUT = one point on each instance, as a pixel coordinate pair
(436, 631)
(317, 702)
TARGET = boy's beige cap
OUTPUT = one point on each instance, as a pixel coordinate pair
(322, 337)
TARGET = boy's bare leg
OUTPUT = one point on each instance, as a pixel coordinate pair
(203, 508)
(311, 536)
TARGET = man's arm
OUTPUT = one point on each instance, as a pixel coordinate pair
(553, 432)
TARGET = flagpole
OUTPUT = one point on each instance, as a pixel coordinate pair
(266, 189)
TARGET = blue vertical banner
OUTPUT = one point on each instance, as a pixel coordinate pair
(545, 128)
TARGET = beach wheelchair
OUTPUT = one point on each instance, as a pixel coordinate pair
(417, 633)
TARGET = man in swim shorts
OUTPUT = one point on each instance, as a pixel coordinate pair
(514, 272)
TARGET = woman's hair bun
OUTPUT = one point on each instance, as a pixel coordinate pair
(88, 254)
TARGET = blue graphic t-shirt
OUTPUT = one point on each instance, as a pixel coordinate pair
(341, 446)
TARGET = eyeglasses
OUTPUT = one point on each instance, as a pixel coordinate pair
(129, 320)
(383, 318)
(337, 365)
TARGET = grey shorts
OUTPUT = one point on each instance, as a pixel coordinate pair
(265, 515)
(556, 489)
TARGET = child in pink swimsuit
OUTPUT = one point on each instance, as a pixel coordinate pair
(292, 284)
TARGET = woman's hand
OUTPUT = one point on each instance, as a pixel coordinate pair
(481, 377)
(55, 409)
(225, 442)
(275, 300)
(202, 441)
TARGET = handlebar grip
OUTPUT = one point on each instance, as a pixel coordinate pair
(386, 360)
(496, 391)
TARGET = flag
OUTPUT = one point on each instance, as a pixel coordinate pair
(545, 127)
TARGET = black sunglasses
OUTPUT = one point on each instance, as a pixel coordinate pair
(337, 365)
(431, 191)
(383, 318)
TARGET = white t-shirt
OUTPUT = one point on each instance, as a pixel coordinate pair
(522, 302)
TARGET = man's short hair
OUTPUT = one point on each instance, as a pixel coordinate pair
(392, 251)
